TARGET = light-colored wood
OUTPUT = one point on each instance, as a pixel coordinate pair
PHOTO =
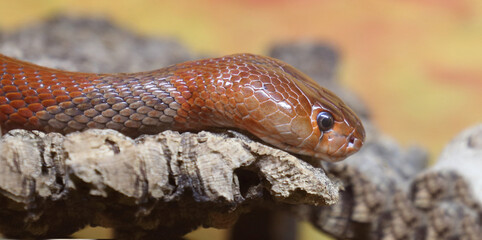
(51, 183)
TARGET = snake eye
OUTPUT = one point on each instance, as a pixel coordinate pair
(325, 121)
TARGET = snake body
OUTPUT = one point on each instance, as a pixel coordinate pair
(261, 95)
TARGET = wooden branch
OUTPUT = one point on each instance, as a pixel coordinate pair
(388, 195)
(168, 184)
(449, 194)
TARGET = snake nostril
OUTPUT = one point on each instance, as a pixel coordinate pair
(351, 139)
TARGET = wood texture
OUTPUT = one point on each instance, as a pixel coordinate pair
(53, 185)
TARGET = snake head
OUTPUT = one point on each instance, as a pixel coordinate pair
(299, 115)
(338, 130)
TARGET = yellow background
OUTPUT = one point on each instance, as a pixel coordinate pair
(417, 64)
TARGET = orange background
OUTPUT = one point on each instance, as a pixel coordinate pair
(417, 64)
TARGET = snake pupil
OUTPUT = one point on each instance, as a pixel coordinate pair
(325, 121)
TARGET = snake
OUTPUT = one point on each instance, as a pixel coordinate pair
(264, 96)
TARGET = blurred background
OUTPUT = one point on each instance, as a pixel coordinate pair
(416, 64)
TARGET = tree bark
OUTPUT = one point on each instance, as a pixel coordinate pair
(159, 185)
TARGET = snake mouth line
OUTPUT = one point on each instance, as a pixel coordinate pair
(349, 145)
(351, 140)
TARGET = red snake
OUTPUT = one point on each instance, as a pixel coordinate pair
(261, 95)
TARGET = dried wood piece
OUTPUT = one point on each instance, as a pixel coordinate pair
(449, 194)
(388, 195)
(373, 180)
(156, 185)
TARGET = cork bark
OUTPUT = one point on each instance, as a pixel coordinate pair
(392, 194)
(168, 184)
